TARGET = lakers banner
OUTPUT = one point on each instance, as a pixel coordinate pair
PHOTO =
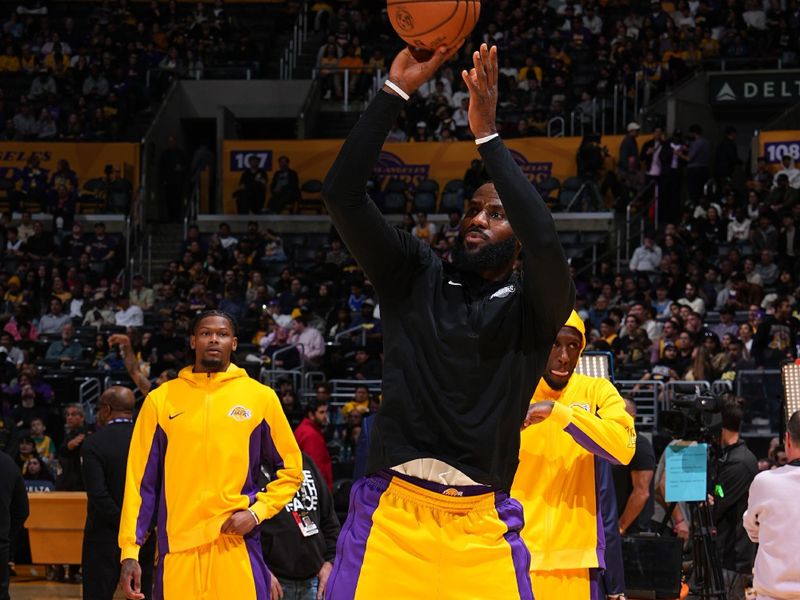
(88, 160)
(774, 145)
(539, 158)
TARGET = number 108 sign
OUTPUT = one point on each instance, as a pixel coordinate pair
(240, 159)
(775, 151)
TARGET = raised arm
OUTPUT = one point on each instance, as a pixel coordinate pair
(549, 291)
(382, 251)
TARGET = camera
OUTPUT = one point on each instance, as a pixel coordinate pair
(693, 417)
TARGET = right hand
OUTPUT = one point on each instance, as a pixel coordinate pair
(410, 70)
(121, 339)
(131, 570)
(681, 529)
(275, 589)
(481, 81)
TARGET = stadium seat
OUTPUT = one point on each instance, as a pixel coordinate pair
(394, 203)
(424, 202)
(310, 201)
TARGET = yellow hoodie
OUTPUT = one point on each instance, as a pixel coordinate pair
(195, 458)
(555, 480)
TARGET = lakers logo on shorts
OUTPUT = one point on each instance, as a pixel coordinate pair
(240, 413)
(452, 492)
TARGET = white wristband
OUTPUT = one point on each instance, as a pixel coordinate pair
(483, 140)
(255, 516)
(396, 88)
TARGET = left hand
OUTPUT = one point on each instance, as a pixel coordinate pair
(324, 573)
(482, 84)
(239, 523)
(538, 412)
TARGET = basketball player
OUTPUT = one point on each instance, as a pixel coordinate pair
(465, 344)
(576, 422)
(193, 468)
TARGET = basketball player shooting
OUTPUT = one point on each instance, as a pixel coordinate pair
(465, 345)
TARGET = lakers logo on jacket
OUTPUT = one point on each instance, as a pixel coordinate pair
(240, 413)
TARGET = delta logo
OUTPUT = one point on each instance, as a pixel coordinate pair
(240, 413)
(535, 171)
(391, 166)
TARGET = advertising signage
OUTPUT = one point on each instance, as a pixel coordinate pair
(756, 88)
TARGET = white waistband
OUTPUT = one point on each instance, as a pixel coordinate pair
(431, 469)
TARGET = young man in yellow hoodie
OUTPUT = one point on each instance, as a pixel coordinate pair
(193, 468)
(573, 422)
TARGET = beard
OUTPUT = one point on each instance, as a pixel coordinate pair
(212, 365)
(489, 256)
(556, 386)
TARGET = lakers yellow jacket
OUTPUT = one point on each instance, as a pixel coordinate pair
(195, 459)
(555, 481)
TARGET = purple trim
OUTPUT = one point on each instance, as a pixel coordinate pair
(589, 444)
(261, 577)
(352, 543)
(600, 549)
(595, 588)
(464, 490)
(510, 512)
(158, 580)
(262, 449)
(152, 488)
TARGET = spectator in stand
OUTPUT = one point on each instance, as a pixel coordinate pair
(726, 326)
(285, 187)
(737, 466)
(692, 300)
(127, 314)
(310, 438)
(628, 161)
(302, 572)
(726, 158)
(67, 349)
(101, 249)
(424, 230)
(39, 246)
(140, 295)
(698, 159)
(13, 513)
(252, 190)
(739, 228)
(69, 452)
(765, 237)
(311, 340)
(792, 173)
(772, 510)
(54, 322)
(766, 269)
(646, 257)
(633, 484)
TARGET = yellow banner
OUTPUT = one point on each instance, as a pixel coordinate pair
(539, 158)
(88, 159)
(774, 145)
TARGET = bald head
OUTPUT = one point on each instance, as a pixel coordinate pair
(116, 402)
(630, 407)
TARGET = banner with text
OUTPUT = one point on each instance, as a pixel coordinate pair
(539, 159)
(87, 159)
(774, 145)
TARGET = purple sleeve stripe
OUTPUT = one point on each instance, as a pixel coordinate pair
(589, 444)
(151, 484)
(269, 451)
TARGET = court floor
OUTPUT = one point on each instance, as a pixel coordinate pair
(30, 584)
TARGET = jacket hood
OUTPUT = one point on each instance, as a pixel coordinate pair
(232, 372)
(576, 322)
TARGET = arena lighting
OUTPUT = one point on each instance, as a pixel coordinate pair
(601, 364)
(790, 374)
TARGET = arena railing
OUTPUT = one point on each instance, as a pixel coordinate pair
(288, 61)
(647, 395)
(349, 332)
(346, 74)
(342, 390)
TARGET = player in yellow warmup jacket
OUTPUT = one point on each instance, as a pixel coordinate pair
(573, 421)
(193, 468)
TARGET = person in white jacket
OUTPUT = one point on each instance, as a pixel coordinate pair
(771, 520)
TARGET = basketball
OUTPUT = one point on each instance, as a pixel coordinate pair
(430, 24)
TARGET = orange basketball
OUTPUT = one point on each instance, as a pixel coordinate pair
(430, 24)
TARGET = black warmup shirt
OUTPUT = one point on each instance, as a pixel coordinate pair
(462, 357)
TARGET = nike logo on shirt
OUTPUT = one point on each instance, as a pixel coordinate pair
(176, 415)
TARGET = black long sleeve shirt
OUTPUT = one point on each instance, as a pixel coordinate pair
(13, 501)
(462, 356)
